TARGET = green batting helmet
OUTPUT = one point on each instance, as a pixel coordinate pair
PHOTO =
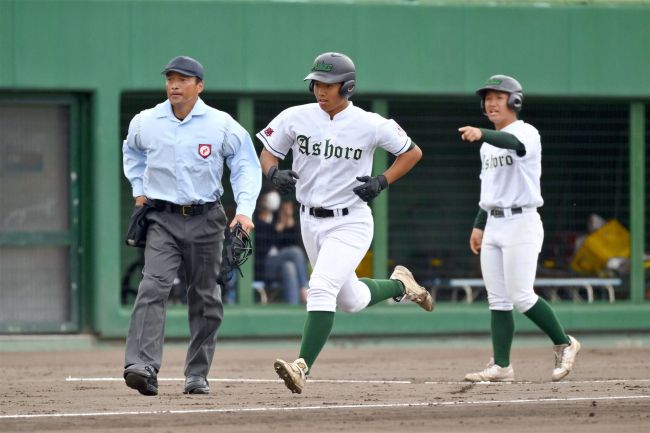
(503, 83)
(333, 68)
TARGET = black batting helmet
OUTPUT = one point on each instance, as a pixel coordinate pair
(333, 68)
(503, 83)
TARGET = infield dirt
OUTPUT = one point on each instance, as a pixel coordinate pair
(609, 391)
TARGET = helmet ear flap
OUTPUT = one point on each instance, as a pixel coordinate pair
(347, 88)
(515, 101)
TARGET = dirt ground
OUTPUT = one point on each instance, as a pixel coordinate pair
(397, 387)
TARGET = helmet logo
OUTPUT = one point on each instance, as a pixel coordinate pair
(322, 67)
(493, 81)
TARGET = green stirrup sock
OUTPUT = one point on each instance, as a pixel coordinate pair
(380, 290)
(317, 330)
(503, 331)
(543, 316)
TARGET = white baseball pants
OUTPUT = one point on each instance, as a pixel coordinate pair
(335, 247)
(509, 252)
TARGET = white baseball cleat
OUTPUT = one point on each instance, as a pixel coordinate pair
(412, 290)
(293, 373)
(565, 358)
(492, 373)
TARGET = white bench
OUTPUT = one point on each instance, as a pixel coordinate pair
(467, 285)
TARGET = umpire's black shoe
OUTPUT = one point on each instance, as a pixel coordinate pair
(196, 385)
(141, 377)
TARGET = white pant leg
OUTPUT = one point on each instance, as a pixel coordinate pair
(354, 295)
(509, 254)
(520, 266)
(309, 233)
(520, 256)
(493, 274)
(340, 245)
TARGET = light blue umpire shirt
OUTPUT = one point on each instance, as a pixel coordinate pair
(182, 161)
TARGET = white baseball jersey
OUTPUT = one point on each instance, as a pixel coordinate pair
(329, 154)
(508, 180)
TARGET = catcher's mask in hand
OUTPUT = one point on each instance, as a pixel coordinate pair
(238, 248)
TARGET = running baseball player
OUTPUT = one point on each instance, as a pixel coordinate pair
(508, 231)
(333, 144)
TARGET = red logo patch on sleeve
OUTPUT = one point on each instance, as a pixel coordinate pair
(205, 150)
(268, 131)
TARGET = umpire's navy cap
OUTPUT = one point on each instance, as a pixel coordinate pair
(186, 66)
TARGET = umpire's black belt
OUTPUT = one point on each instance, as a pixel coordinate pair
(498, 212)
(319, 212)
(185, 210)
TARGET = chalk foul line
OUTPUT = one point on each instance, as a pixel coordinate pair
(324, 407)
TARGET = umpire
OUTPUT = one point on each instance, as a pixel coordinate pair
(174, 156)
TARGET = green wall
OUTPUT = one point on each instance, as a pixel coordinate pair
(267, 46)
(99, 49)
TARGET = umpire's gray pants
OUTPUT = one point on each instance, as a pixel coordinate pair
(198, 241)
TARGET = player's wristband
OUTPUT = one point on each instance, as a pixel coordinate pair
(271, 172)
(481, 219)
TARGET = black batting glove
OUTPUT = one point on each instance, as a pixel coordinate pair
(371, 187)
(283, 180)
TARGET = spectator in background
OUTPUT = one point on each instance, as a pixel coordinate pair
(279, 256)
